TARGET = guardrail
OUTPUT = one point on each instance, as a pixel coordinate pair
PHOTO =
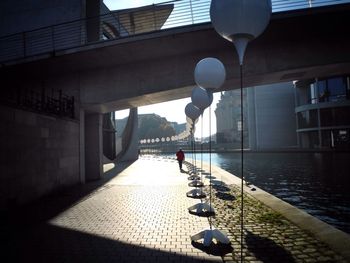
(122, 24)
(52, 102)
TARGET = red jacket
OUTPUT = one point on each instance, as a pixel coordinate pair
(180, 155)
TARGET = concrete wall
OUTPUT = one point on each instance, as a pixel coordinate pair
(38, 155)
(93, 146)
(271, 108)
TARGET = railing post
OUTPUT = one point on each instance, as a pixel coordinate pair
(191, 12)
(72, 107)
(53, 38)
(154, 18)
(60, 104)
(24, 44)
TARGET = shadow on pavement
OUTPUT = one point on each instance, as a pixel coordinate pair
(221, 188)
(225, 196)
(214, 249)
(49, 243)
(266, 250)
(47, 207)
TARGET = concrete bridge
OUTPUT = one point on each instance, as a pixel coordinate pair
(102, 77)
(156, 67)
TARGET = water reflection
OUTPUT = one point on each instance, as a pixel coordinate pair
(315, 182)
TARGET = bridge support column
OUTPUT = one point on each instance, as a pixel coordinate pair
(82, 146)
(130, 140)
(93, 146)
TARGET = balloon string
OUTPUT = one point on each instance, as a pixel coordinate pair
(210, 181)
(242, 137)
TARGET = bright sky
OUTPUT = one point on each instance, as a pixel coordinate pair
(172, 110)
(175, 111)
(123, 4)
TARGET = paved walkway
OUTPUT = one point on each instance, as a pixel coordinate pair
(138, 216)
(138, 213)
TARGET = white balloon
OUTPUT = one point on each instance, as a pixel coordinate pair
(236, 18)
(201, 98)
(240, 21)
(163, 139)
(192, 111)
(157, 140)
(210, 73)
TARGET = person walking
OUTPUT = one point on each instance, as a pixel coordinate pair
(180, 156)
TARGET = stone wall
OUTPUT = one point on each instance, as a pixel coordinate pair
(39, 154)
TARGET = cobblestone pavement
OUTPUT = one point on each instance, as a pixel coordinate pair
(268, 237)
(141, 215)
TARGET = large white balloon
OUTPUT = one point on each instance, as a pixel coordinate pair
(201, 98)
(210, 73)
(192, 111)
(234, 18)
(240, 21)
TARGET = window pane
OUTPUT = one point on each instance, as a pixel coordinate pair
(337, 89)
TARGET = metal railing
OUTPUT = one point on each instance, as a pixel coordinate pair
(52, 102)
(121, 24)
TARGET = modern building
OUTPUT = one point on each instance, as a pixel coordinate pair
(228, 118)
(323, 112)
(268, 117)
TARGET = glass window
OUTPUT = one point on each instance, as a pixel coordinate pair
(341, 138)
(335, 116)
(326, 139)
(323, 92)
(313, 88)
(314, 141)
(307, 119)
(341, 116)
(337, 88)
(326, 116)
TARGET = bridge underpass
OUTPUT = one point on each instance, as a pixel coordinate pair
(156, 67)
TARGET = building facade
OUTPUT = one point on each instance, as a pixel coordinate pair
(228, 118)
(323, 112)
(268, 117)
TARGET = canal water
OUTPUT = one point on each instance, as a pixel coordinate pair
(318, 183)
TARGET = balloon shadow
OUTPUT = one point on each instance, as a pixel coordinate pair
(267, 250)
(215, 249)
(225, 196)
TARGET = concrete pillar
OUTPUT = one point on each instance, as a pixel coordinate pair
(82, 147)
(93, 146)
(251, 118)
(130, 137)
(109, 136)
(93, 21)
